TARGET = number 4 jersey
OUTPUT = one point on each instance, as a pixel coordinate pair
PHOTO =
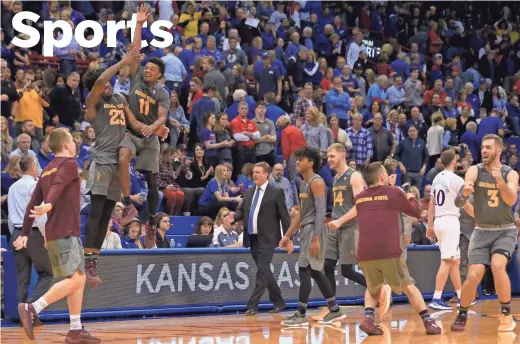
(490, 209)
(445, 188)
(343, 197)
(110, 128)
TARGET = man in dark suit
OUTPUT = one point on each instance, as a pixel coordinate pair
(484, 95)
(262, 210)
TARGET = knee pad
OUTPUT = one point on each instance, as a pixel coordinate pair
(502, 252)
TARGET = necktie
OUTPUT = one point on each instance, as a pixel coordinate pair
(252, 211)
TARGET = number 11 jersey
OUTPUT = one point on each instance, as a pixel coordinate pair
(145, 101)
(445, 188)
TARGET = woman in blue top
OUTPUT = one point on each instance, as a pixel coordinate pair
(215, 195)
(132, 237)
(209, 139)
(245, 180)
(311, 70)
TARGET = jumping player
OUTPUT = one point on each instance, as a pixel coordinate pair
(313, 236)
(379, 249)
(149, 102)
(495, 188)
(342, 243)
(59, 190)
(108, 113)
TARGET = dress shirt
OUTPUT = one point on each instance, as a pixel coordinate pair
(18, 152)
(18, 198)
(173, 68)
(260, 189)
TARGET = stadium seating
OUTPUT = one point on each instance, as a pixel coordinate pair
(183, 225)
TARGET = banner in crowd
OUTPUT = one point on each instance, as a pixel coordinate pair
(373, 47)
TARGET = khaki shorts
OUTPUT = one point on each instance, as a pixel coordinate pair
(66, 256)
(104, 180)
(145, 149)
(383, 271)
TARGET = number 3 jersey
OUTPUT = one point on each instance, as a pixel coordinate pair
(144, 101)
(445, 188)
(110, 128)
(490, 209)
(343, 197)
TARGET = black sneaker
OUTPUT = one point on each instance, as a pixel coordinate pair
(460, 322)
(333, 317)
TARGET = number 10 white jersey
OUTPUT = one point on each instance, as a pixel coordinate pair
(445, 188)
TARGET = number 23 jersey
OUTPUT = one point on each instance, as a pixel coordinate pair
(445, 188)
(144, 101)
(110, 128)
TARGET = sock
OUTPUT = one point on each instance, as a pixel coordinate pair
(425, 315)
(75, 322)
(333, 306)
(506, 308)
(463, 310)
(39, 305)
(437, 295)
(302, 308)
(126, 201)
(459, 293)
(369, 313)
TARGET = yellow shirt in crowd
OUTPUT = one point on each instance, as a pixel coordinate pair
(30, 107)
(192, 29)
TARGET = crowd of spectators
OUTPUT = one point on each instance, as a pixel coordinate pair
(253, 81)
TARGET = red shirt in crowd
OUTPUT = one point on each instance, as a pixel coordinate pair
(196, 96)
(292, 139)
(58, 185)
(378, 209)
(239, 126)
(428, 95)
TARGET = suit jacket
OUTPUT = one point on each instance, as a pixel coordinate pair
(488, 100)
(272, 211)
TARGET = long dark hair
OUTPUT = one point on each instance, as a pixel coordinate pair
(203, 221)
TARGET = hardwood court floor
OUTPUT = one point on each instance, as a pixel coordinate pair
(401, 326)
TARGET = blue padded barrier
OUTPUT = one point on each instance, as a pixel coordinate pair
(207, 280)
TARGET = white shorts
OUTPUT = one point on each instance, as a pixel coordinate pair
(447, 231)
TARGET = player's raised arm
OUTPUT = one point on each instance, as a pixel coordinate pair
(96, 83)
(468, 188)
(142, 14)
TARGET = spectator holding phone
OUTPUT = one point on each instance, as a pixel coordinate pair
(166, 181)
(215, 195)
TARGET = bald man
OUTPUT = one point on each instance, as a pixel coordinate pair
(24, 145)
(278, 180)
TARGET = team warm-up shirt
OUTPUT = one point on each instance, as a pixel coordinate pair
(490, 208)
(445, 188)
(145, 102)
(58, 185)
(343, 197)
(110, 128)
(378, 209)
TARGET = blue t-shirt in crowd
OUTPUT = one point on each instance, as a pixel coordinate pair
(208, 135)
(489, 125)
(208, 197)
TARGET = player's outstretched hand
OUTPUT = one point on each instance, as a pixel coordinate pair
(132, 56)
(314, 247)
(163, 132)
(142, 14)
(468, 189)
(334, 224)
(20, 242)
(430, 234)
(284, 243)
(40, 210)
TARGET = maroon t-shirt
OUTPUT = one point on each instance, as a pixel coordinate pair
(378, 210)
(58, 185)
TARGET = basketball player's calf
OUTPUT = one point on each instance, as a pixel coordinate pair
(125, 155)
(502, 245)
